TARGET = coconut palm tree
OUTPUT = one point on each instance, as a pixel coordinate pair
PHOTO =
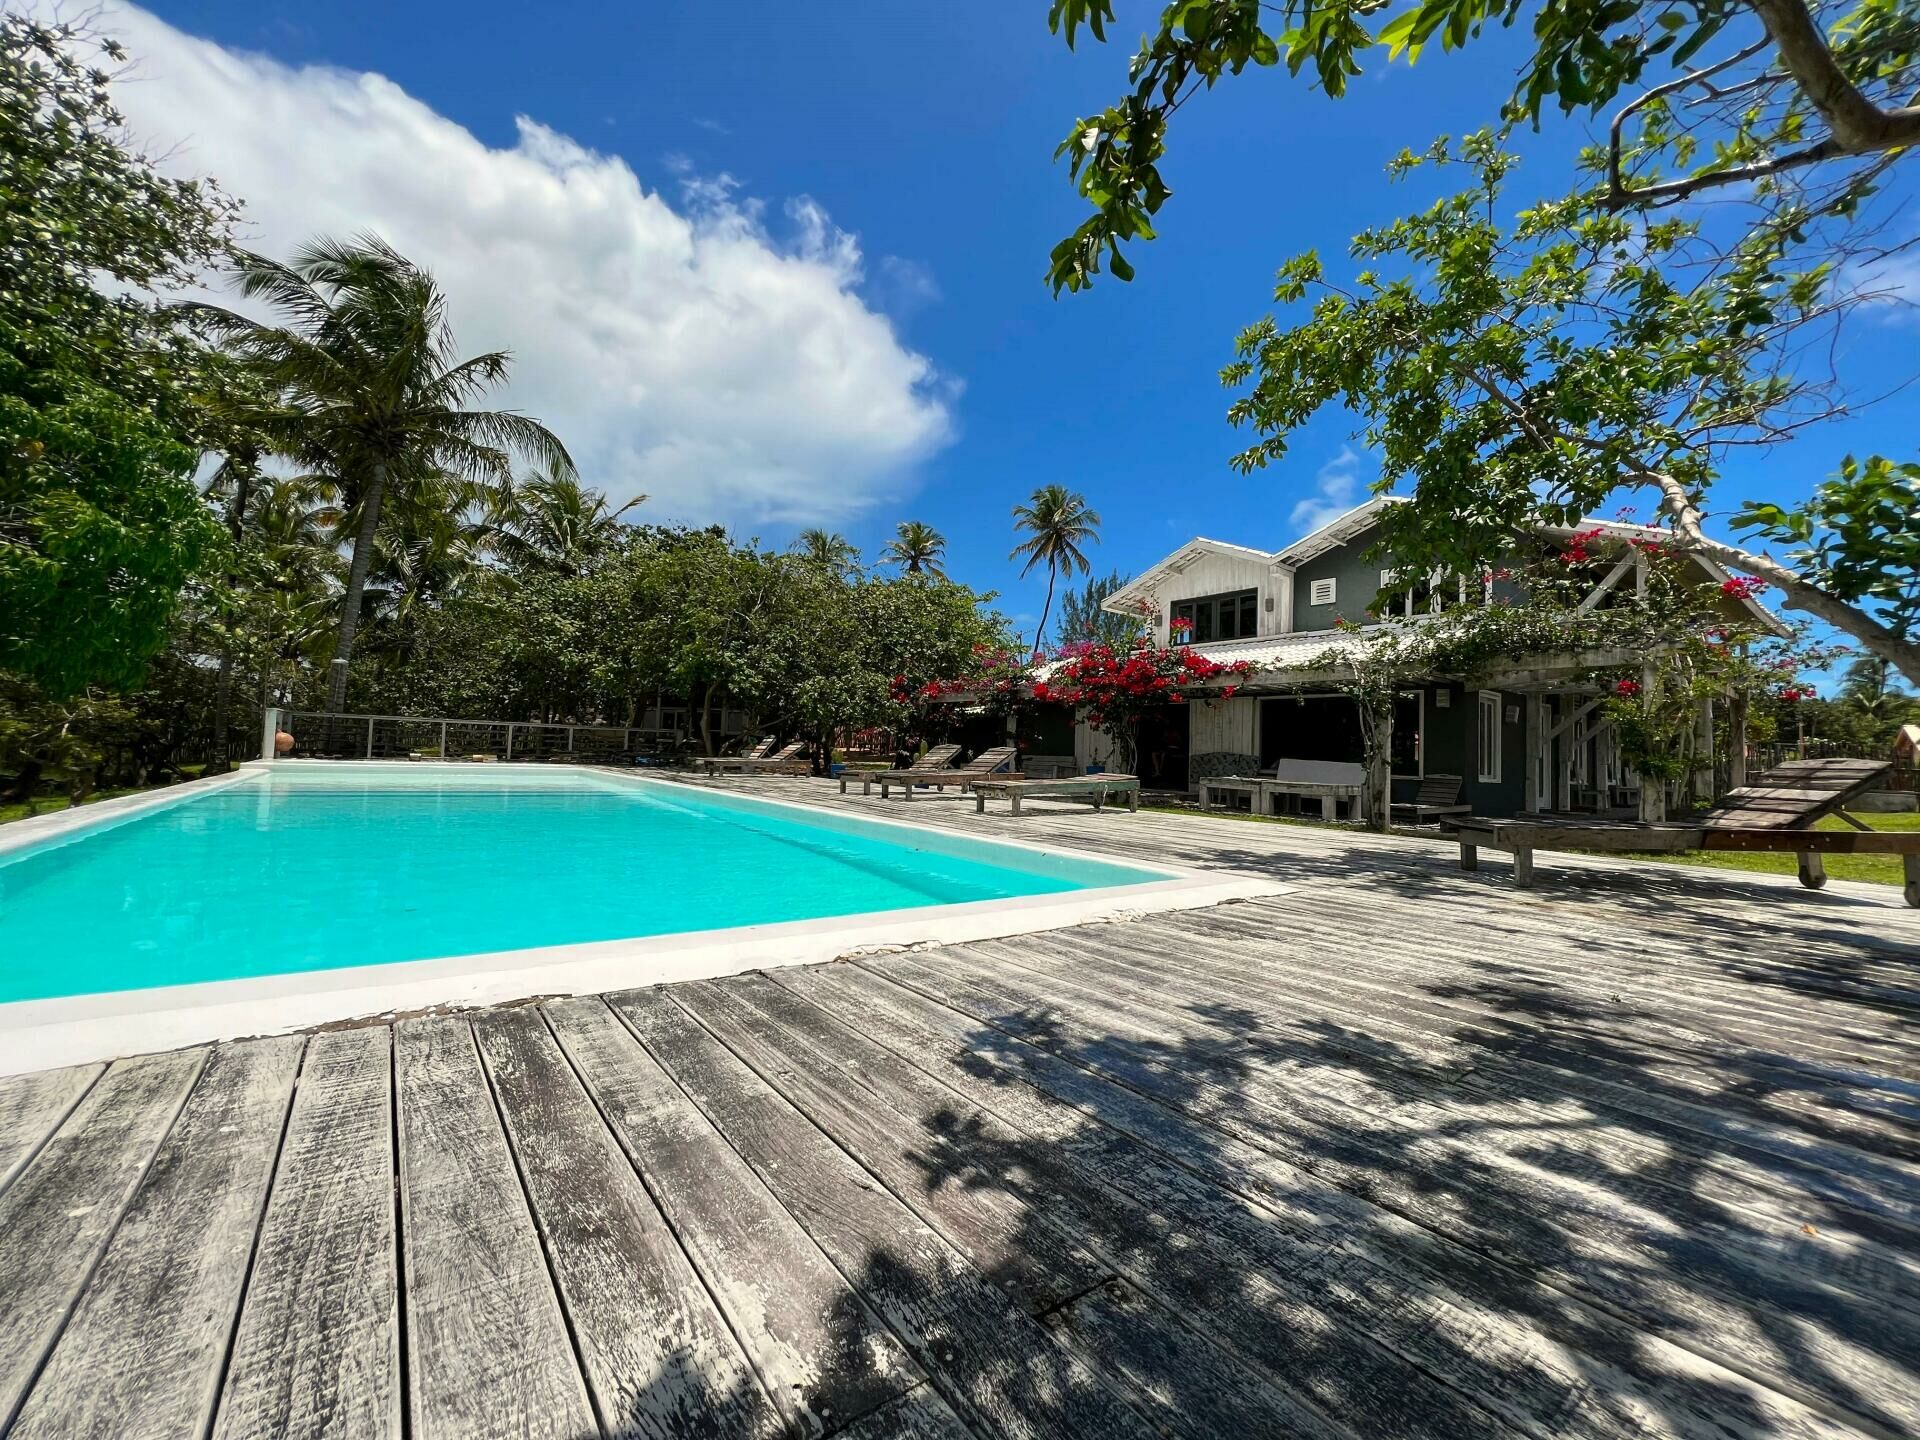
(916, 548)
(553, 523)
(365, 364)
(1057, 524)
(828, 549)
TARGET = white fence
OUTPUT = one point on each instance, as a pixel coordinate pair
(401, 737)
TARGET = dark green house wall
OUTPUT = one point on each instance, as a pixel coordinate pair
(1356, 585)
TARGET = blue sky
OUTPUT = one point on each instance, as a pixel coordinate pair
(920, 136)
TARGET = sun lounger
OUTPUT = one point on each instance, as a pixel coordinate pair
(1438, 795)
(1097, 788)
(1774, 814)
(790, 759)
(939, 777)
(938, 758)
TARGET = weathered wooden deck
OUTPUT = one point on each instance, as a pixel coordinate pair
(1403, 1152)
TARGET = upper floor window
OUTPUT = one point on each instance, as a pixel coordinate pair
(1218, 617)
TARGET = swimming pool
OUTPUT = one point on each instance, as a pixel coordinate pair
(302, 893)
(305, 870)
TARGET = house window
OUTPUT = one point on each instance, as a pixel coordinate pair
(1489, 734)
(1219, 617)
(1321, 592)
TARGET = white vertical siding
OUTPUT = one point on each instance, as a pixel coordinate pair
(1232, 725)
(1220, 575)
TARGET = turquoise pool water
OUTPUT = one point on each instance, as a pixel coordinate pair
(298, 872)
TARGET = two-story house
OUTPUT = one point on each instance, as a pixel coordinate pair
(1527, 736)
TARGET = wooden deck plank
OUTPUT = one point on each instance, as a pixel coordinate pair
(145, 1347)
(1807, 1342)
(989, 1359)
(56, 1218)
(1436, 971)
(658, 1356)
(316, 1355)
(823, 1356)
(1862, 1241)
(1549, 1043)
(920, 1414)
(1515, 1056)
(1441, 1304)
(31, 1109)
(1671, 1389)
(487, 1349)
(1040, 1262)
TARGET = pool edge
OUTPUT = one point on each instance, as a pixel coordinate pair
(66, 1030)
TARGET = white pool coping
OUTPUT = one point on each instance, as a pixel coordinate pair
(74, 1029)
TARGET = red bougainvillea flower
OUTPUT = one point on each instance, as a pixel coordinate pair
(1626, 687)
(1741, 587)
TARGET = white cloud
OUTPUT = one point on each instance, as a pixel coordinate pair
(1889, 285)
(685, 347)
(1334, 487)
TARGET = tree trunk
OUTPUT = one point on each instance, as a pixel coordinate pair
(1040, 635)
(706, 720)
(1379, 737)
(1879, 639)
(356, 586)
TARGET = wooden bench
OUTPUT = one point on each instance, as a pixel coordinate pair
(940, 757)
(1774, 814)
(1072, 787)
(1328, 781)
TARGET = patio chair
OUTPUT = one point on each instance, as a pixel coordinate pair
(789, 759)
(987, 762)
(938, 758)
(1775, 813)
(1438, 795)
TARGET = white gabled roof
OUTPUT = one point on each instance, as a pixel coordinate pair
(1337, 531)
(1195, 549)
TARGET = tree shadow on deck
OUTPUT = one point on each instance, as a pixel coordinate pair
(1432, 1247)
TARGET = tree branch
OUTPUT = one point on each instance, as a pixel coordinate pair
(1879, 639)
(1858, 124)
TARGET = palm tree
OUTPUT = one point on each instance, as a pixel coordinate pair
(828, 549)
(1057, 523)
(917, 548)
(366, 365)
(554, 523)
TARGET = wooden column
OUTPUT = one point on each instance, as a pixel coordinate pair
(1563, 771)
(1538, 748)
(1737, 739)
(1703, 771)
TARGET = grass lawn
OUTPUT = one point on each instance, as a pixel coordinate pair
(1874, 869)
(51, 804)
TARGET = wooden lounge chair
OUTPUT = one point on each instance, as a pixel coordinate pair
(790, 759)
(938, 758)
(1097, 788)
(1775, 813)
(939, 777)
(1438, 795)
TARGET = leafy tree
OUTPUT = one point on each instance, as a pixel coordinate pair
(1082, 620)
(1058, 525)
(916, 548)
(555, 523)
(828, 550)
(100, 526)
(374, 393)
(1751, 93)
(1521, 376)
